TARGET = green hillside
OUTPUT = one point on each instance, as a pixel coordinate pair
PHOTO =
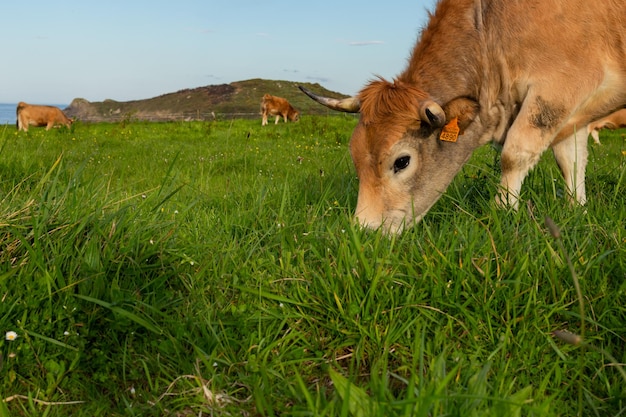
(239, 99)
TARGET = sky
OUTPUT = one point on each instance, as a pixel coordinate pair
(55, 51)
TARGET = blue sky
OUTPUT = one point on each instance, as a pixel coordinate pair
(55, 51)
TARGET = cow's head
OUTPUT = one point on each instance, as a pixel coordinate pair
(402, 164)
(294, 115)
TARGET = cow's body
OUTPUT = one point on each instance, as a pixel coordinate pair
(33, 115)
(616, 120)
(528, 75)
(279, 107)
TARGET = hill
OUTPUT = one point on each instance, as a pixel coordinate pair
(239, 99)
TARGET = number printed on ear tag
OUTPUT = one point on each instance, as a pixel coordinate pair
(450, 132)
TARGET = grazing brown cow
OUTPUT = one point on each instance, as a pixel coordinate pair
(279, 107)
(616, 120)
(33, 115)
(528, 75)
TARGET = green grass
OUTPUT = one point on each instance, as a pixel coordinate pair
(213, 269)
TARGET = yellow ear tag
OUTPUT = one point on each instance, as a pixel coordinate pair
(450, 132)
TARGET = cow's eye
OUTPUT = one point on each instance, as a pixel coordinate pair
(401, 163)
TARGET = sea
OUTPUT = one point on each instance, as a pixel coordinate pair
(7, 112)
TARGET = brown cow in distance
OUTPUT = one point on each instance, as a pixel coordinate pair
(279, 107)
(527, 75)
(34, 115)
(616, 120)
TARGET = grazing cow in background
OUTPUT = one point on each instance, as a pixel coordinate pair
(528, 75)
(616, 120)
(279, 107)
(33, 115)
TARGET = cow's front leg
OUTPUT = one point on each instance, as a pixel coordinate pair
(515, 166)
(571, 156)
(530, 135)
(520, 153)
(277, 119)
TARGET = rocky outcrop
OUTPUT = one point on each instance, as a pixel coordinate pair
(80, 108)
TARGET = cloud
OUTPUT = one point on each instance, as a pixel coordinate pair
(365, 43)
(318, 79)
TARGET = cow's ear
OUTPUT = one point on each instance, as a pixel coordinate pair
(464, 109)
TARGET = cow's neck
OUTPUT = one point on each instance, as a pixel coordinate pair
(446, 61)
(452, 60)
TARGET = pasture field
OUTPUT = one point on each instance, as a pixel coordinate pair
(212, 268)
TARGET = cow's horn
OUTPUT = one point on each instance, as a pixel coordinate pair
(433, 113)
(348, 105)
